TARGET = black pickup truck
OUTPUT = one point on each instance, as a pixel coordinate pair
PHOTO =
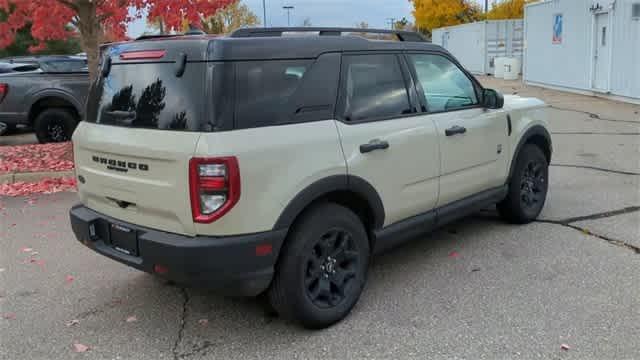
(47, 93)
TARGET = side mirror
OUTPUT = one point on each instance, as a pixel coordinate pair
(492, 99)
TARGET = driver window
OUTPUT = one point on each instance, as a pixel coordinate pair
(445, 87)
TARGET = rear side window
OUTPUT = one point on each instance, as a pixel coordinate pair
(444, 86)
(264, 90)
(150, 95)
(372, 88)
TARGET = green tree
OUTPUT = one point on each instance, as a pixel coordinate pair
(24, 41)
(508, 9)
(231, 17)
(433, 14)
(403, 24)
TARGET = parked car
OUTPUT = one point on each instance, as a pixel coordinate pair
(47, 93)
(267, 163)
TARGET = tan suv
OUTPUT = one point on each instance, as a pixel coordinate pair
(268, 161)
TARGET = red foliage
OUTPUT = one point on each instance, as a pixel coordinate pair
(36, 158)
(46, 186)
(50, 18)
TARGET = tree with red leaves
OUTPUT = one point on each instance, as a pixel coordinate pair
(50, 19)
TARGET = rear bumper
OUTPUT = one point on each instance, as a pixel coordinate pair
(231, 265)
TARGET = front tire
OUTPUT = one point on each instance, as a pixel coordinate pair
(528, 187)
(55, 125)
(323, 267)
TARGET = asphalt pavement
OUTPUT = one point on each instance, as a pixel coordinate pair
(18, 137)
(477, 289)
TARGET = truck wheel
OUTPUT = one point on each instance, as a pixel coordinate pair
(55, 125)
(527, 187)
(322, 268)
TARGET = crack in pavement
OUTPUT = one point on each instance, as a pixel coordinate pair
(593, 115)
(612, 241)
(569, 223)
(596, 168)
(601, 215)
(594, 133)
(197, 350)
(183, 323)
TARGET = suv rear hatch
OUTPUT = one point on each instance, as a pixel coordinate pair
(144, 118)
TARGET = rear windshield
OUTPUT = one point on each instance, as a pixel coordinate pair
(149, 95)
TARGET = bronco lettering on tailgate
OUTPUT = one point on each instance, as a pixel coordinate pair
(119, 165)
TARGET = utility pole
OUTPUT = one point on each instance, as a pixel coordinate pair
(486, 6)
(264, 12)
(288, 8)
(392, 22)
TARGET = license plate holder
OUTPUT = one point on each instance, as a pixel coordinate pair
(124, 239)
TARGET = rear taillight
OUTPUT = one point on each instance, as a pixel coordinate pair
(4, 90)
(214, 185)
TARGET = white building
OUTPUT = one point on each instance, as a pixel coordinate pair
(476, 45)
(585, 46)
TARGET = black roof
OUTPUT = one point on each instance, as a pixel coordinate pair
(278, 43)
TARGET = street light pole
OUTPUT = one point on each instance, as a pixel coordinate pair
(392, 22)
(264, 12)
(288, 8)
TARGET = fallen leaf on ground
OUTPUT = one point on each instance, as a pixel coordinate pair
(45, 186)
(26, 249)
(132, 319)
(8, 316)
(36, 157)
(454, 254)
(203, 322)
(565, 347)
(72, 322)
(115, 302)
(69, 278)
(80, 348)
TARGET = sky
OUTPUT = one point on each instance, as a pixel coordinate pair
(344, 13)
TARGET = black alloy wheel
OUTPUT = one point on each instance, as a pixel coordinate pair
(331, 266)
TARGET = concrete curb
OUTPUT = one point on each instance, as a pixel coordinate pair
(34, 176)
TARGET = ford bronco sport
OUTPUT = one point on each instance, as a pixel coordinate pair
(270, 162)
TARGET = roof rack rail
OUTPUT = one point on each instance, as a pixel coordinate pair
(156, 36)
(402, 35)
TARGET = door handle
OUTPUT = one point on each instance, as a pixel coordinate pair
(454, 130)
(375, 144)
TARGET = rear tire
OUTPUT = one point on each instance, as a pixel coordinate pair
(55, 125)
(322, 268)
(528, 187)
